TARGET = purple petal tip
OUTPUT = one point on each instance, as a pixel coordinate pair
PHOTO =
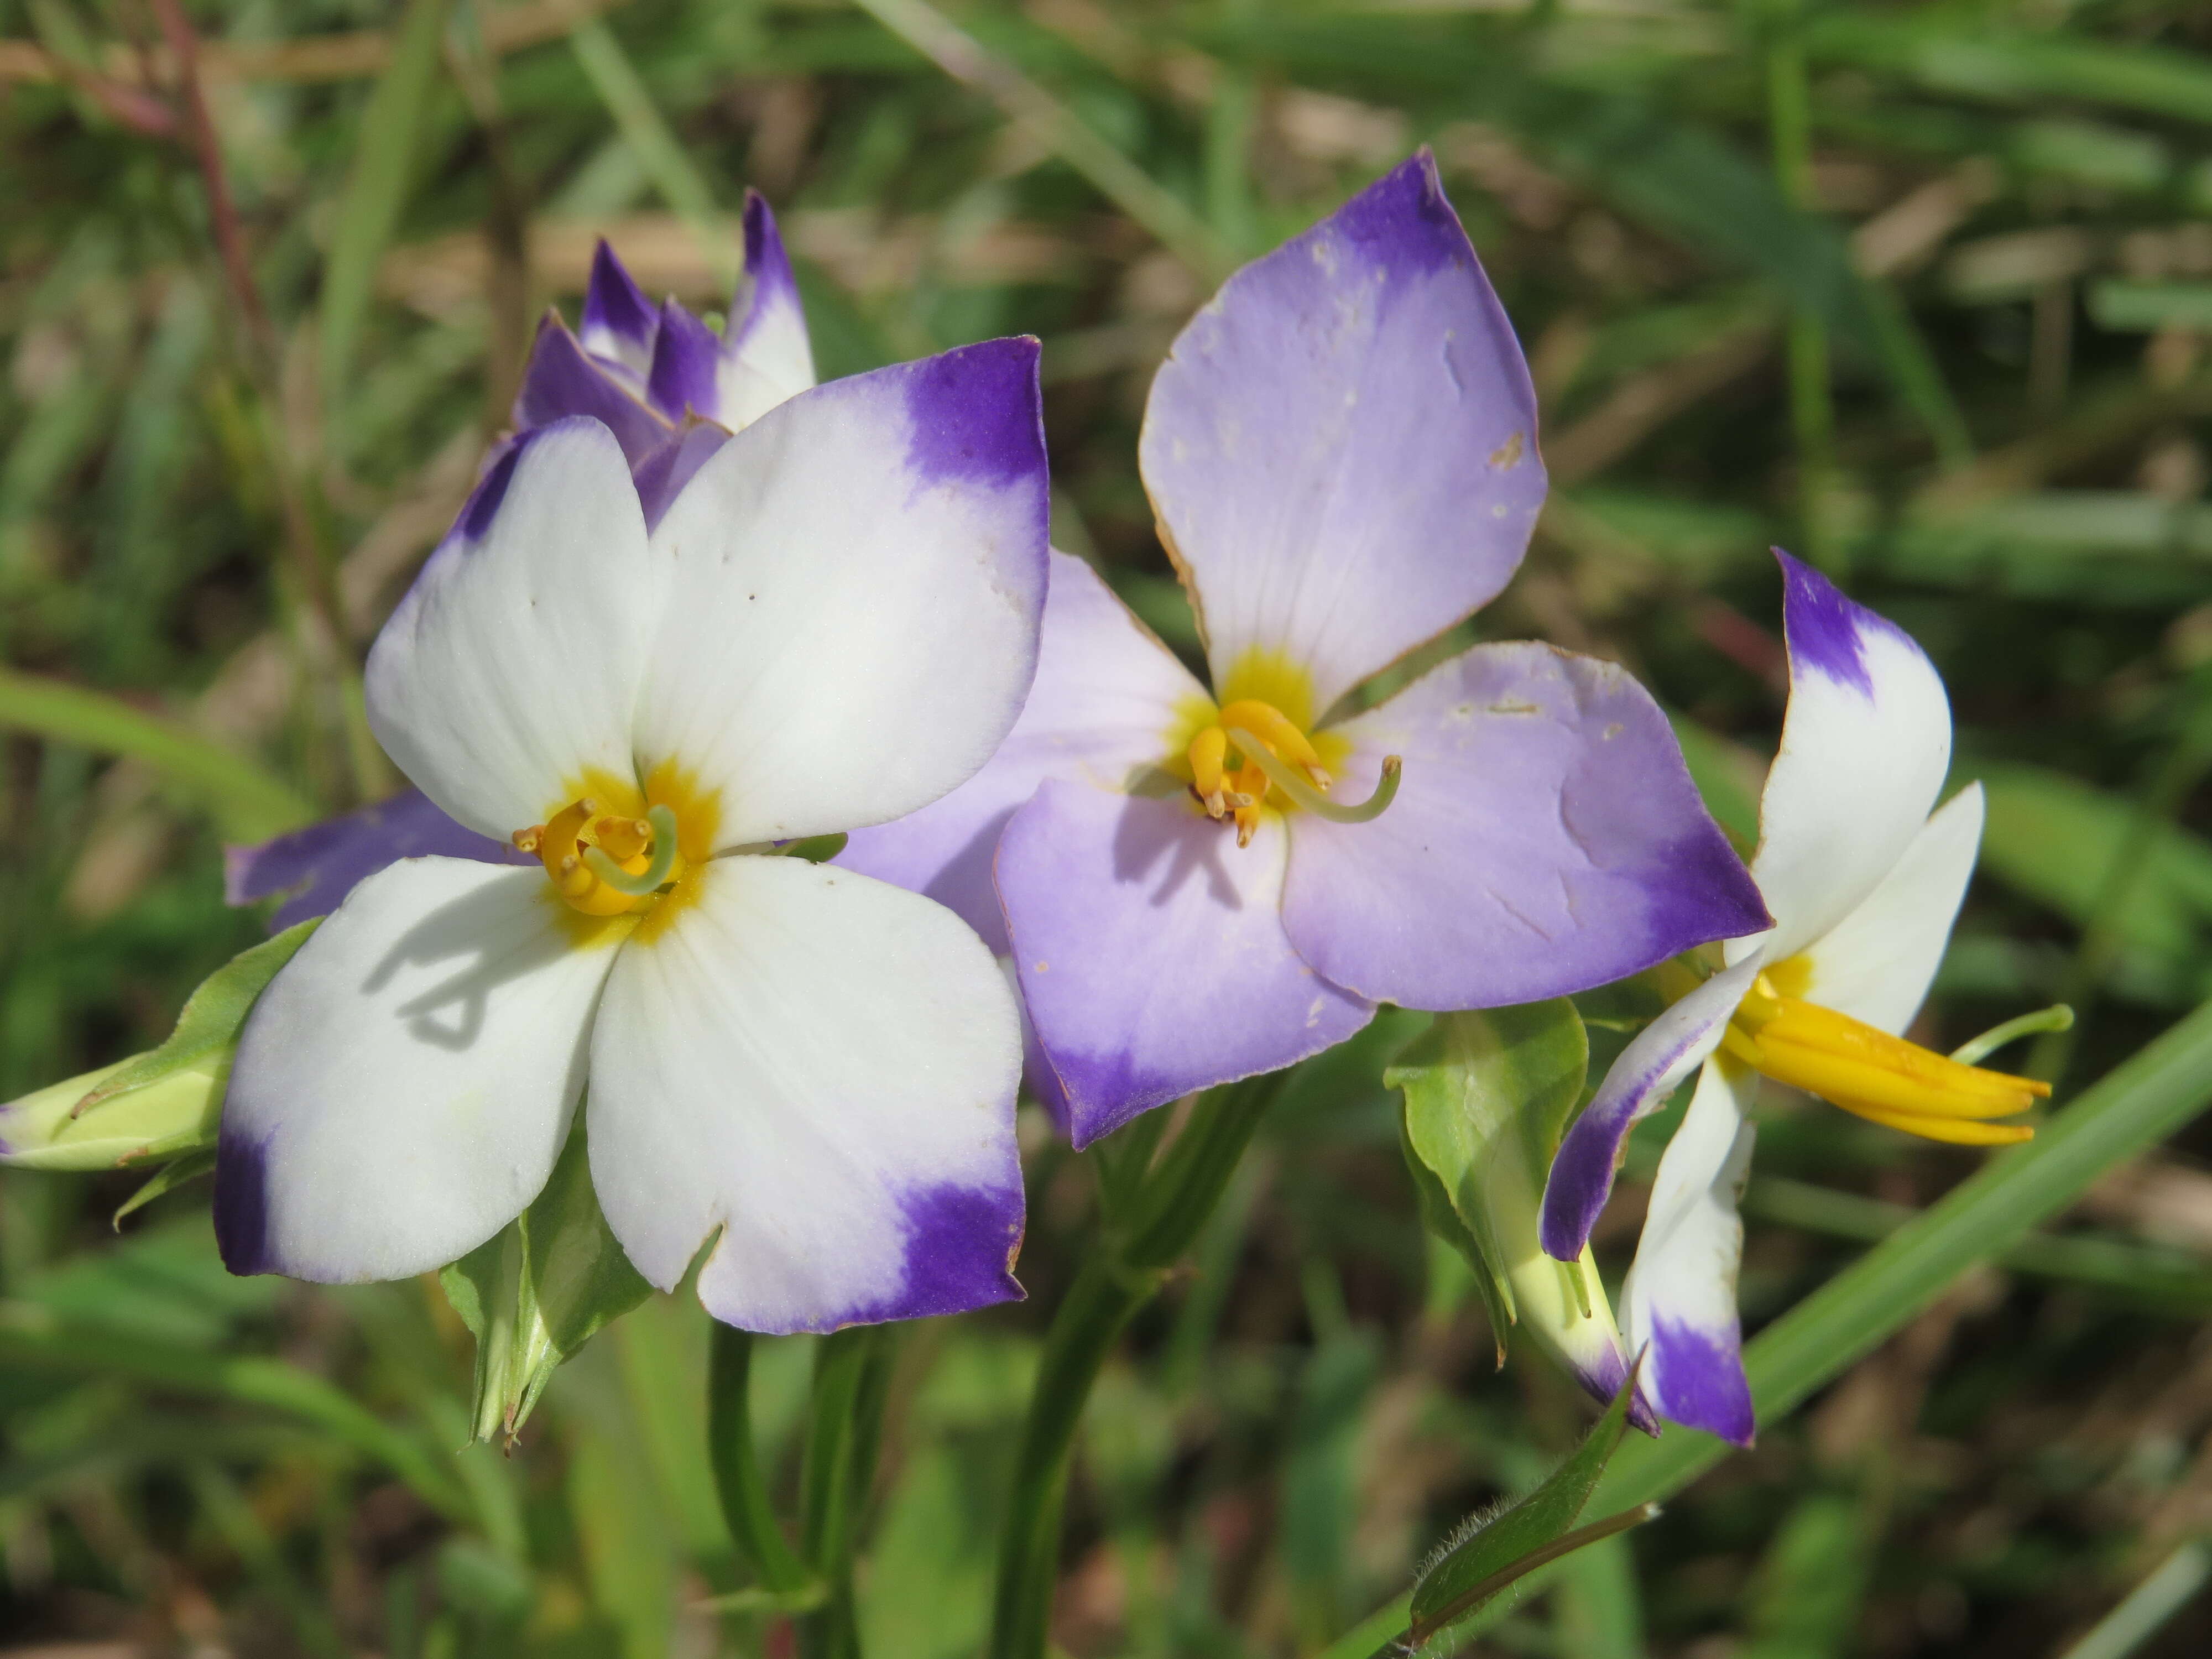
(615, 308)
(977, 415)
(562, 379)
(1698, 1377)
(960, 1248)
(241, 1204)
(483, 503)
(1604, 1381)
(681, 379)
(1826, 632)
(1405, 218)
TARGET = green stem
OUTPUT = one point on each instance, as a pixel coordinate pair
(851, 1374)
(1150, 1231)
(736, 1461)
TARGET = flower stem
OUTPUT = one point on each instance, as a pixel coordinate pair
(738, 1479)
(1151, 1222)
(851, 1377)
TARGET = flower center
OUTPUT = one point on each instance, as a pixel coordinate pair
(1251, 747)
(603, 864)
(1882, 1077)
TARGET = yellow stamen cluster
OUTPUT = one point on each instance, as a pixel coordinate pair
(1879, 1077)
(599, 862)
(1223, 787)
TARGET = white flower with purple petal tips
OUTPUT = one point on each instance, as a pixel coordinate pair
(1863, 885)
(671, 392)
(833, 624)
(1341, 452)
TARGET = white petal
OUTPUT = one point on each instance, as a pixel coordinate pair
(823, 1066)
(855, 581)
(1864, 748)
(510, 669)
(403, 1086)
(1876, 964)
(1107, 698)
(1641, 1079)
(1679, 1300)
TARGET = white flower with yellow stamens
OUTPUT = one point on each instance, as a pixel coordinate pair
(1863, 884)
(834, 622)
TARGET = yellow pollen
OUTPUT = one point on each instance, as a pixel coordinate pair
(1879, 1077)
(1225, 791)
(590, 856)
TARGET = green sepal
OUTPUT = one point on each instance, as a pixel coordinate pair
(167, 1178)
(537, 1291)
(1458, 1581)
(1441, 1219)
(1485, 1097)
(213, 1015)
(816, 849)
(161, 1105)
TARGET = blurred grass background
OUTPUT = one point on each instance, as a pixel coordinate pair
(1922, 291)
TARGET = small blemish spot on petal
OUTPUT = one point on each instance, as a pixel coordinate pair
(1507, 453)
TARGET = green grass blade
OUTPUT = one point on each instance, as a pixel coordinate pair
(248, 804)
(673, 172)
(376, 189)
(1114, 176)
(30, 1340)
(2148, 1606)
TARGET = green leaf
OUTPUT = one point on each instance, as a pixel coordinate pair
(1486, 1096)
(376, 189)
(1449, 1588)
(535, 1293)
(248, 804)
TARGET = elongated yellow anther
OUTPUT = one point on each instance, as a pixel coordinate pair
(1271, 726)
(1208, 750)
(1248, 748)
(1877, 1076)
(1955, 1131)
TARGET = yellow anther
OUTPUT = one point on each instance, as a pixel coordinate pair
(1879, 1077)
(1273, 727)
(1207, 751)
(1225, 789)
(569, 842)
(622, 839)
